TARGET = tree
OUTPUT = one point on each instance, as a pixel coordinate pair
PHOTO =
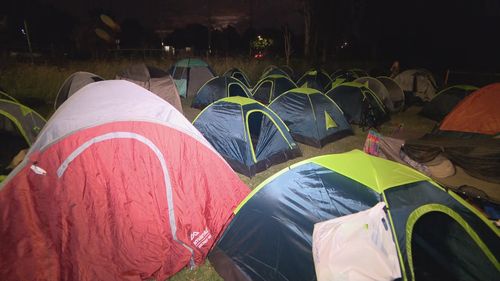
(287, 43)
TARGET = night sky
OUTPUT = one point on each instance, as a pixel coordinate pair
(461, 33)
(174, 14)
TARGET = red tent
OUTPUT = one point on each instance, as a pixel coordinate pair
(477, 113)
(118, 186)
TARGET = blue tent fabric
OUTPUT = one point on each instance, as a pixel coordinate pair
(218, 88)
(270, 87)
(306, 115)
(455, 259)
(270, 237)
(359, 104)
(238, 74)
(315, 79)
(247, 134)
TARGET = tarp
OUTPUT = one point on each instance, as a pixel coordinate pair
(118, 186)
(479, 157)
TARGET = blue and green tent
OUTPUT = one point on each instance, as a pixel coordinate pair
(360, 105)
(312, 117)
(238, 74)
(218, 88)
(438, 236)
(315, 78)
(274, 70)
(271, 86)
(19, 127)
(250, 136)
(189, 75)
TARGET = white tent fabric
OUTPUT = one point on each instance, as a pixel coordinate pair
(357, 247)
(419, 81)
(107, 101)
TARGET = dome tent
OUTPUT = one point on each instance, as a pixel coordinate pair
(348, 75)
(360, 105)
(250, 136)
(379, 89)
(217, 88)
(445, 101)
(155, 80)
(189, 75)
(417, 83)
(315, 78)
(270, 235)
(131, 191)
(273, 70)
(396, 94)
(19, 128)
(73, 83)
(478, 113)
(238, 74)
(5, 96)
(312, 117)
(271, 86)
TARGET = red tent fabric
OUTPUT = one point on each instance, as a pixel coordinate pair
(121, 200)
(477, 113)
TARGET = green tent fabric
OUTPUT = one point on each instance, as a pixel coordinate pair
(19, 127)
(4, 95)
(189, 75)
(437, 235)
(191, 63)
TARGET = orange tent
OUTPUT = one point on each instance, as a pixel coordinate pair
(477, 113)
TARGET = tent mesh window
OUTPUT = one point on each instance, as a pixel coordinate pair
(263, 92)
(236, 90)
(255, 120)
(11, 142)
(239, 76)
(445, 253)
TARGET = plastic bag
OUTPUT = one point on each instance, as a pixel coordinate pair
(356, 247)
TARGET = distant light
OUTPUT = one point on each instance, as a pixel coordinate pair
(167, 48)
(22, 31)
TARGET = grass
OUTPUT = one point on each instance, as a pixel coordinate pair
(409, 122)
(39, 85)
